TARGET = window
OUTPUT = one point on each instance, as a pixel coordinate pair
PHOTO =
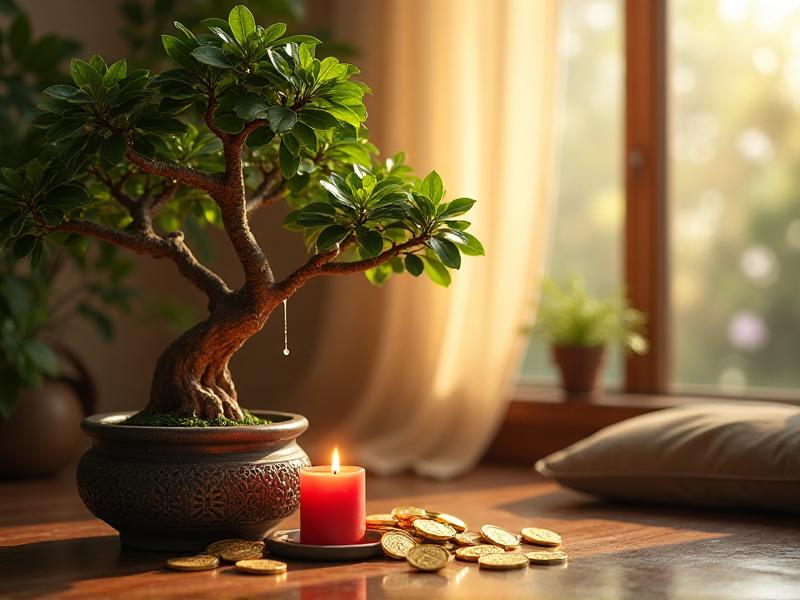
(694, 201)
(586, 235)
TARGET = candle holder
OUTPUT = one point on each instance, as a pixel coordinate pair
(287, 544)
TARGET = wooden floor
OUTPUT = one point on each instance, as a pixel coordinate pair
(50, 546)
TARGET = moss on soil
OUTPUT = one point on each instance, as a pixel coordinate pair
(173, 420)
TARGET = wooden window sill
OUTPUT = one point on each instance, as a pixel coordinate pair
(540, 420)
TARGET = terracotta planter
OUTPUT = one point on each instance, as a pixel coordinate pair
(180, 488)
(580, 367)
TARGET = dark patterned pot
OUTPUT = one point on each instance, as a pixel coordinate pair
(176, 488)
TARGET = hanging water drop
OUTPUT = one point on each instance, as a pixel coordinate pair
(285, 331)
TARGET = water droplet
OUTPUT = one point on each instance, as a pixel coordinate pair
(285, 331)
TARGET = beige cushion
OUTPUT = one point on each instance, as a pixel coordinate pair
(720, 454)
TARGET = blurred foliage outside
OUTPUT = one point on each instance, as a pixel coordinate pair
(734, 118)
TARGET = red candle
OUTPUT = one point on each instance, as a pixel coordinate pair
(332, 504)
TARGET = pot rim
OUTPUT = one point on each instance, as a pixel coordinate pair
(105, 426)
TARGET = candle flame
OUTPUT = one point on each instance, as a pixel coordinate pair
(335, 461)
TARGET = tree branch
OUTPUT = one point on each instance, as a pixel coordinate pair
(208, 182)
(233, 208)
(114, 188)
(152, 245)
(158, 202)
(209, 116)
(320, 264)
(268, 192)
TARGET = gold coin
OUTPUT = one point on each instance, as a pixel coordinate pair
(433, 530)
(553, 557)
(261, 566)
(473, 553)
(381, 520)
(428, 557)
(201, 562)
(468, 538)
(499, 536)
(448, 519)
(407, 512)
(541, 537)
(396, 544)
(503, 562)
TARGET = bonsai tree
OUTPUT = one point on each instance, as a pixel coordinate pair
(246, 119)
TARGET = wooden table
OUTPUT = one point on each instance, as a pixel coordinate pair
(50, 546)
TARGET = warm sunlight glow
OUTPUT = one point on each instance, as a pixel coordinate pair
(335, 461)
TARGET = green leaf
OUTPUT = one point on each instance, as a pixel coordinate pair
(33, 173)
(336, 192)
(260, 137)
(371, 242)
(185, 31)
(84, 75)
(432, 187)
(41, 356)
(288, 162)
(329, 69)
(67, 196)
(414, 265)
(229, 123)
(436, 271)
(301, 39)
(273, 32)
(281, 118)
(455, 208)
(211, 55)
(447, 251)
(251, 106)
(331, 236)
(12, 178)
(179, 52)
(318, 119)
(116, 72)
(23, 246)
(292, 144)
(61, 92)
(305, 135)
(473, 247)
(98, 64)
(242, 23)
(280, 64)
(113, 148)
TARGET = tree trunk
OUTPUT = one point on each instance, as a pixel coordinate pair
(191, 377)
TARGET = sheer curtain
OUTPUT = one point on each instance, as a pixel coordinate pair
(466, 87)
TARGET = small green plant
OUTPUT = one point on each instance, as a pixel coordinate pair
(569, 315)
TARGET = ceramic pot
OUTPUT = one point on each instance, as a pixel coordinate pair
(43, 434)
(181, 488)
(580, 367)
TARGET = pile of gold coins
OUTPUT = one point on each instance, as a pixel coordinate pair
(429, 540)
(246, 555)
